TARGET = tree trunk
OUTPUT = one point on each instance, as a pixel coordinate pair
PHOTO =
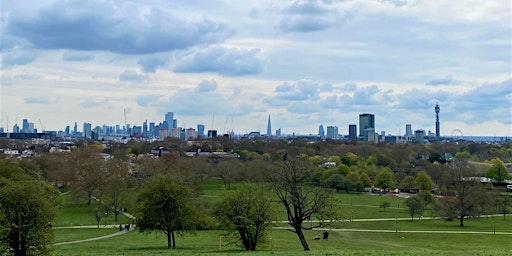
(173, 240)
(461, 221)
(169, 242)
(302, 239)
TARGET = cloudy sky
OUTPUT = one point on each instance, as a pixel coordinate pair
(233, 63)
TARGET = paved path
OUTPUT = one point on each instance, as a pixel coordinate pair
(94, 238)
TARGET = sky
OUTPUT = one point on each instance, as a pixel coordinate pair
(231, 64)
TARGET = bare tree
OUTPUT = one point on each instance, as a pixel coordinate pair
(290, 181)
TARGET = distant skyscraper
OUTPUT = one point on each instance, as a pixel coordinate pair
(15, 128)
(269, 127)
(278, 132)
(321, 131)
(67, 130)
(352, 132)
(87, 130)
(366, 121)
(169, 119)
(200, 130)
(437, 121)
(332, 132)
(24, 127)
(408, 130)
(75, 129)
(145, 128)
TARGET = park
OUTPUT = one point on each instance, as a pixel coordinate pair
(371, 203)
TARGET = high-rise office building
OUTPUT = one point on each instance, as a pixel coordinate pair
(145, 128)
(278, 132)
(169, 120)
(269, 127)
(24, 127)
(200, 130)
(352, 132)
(87, 130)
(408, 130)
(321, 131)
(332, 132)
(366, 121)
(75, 128)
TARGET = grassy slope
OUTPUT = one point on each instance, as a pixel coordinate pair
(286, 243)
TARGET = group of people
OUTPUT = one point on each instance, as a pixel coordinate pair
(127, 227)
(325, 236)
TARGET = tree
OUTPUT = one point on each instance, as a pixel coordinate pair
(385, 179)
(408, 184)
(167, 205)
(384, 205)
(503, 204)
(116, 187)
(365, 179)
(86, 166)
(424, 181)
(498, 171)
(248, 212)
(466, 196)
(300, 199)
(27, 207)
(416, 205)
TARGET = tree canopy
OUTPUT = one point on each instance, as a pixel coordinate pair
(28, 206)
(167, 205)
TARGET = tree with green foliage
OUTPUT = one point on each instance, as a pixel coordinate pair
(28, 206)
(424, 181)
(384, 205)
(466, 196)
(247, 211)
(498, 171)
(503, 203)
(167, 205)
(290, 181)
(385, 179)
(416, 205)
(408, 184)
(365, 180)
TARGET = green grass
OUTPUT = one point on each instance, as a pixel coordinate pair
(286, 243)
(358, 206)
(72, 234)
(80, 214)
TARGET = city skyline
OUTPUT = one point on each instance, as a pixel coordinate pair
(304, 63)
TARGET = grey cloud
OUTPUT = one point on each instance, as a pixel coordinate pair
(207, 86)
(204, 100)
(25, 76)
(150, 63)
(147, 100)
(18, 57)
(442, 81)
(77, 56)
(307, 16)
(112, 26)
(310, 7)
(133, 76)
(39, 100)
(302, 90)
(90, 103)
(225, 61)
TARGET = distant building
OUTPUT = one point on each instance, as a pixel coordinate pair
(352, 132)
(88, 130)
(321, 131)
(419, 136)
(332, 132)
(438, 126)
(163, 133)
(269, 127)
(278, 132)
(408, 130)
(366, 121)
(212, 133)
(190, 133)
(200, 130)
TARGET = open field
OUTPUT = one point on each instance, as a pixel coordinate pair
(286, 243)
(375, 236)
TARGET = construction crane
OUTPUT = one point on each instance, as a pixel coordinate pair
(42, 126)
